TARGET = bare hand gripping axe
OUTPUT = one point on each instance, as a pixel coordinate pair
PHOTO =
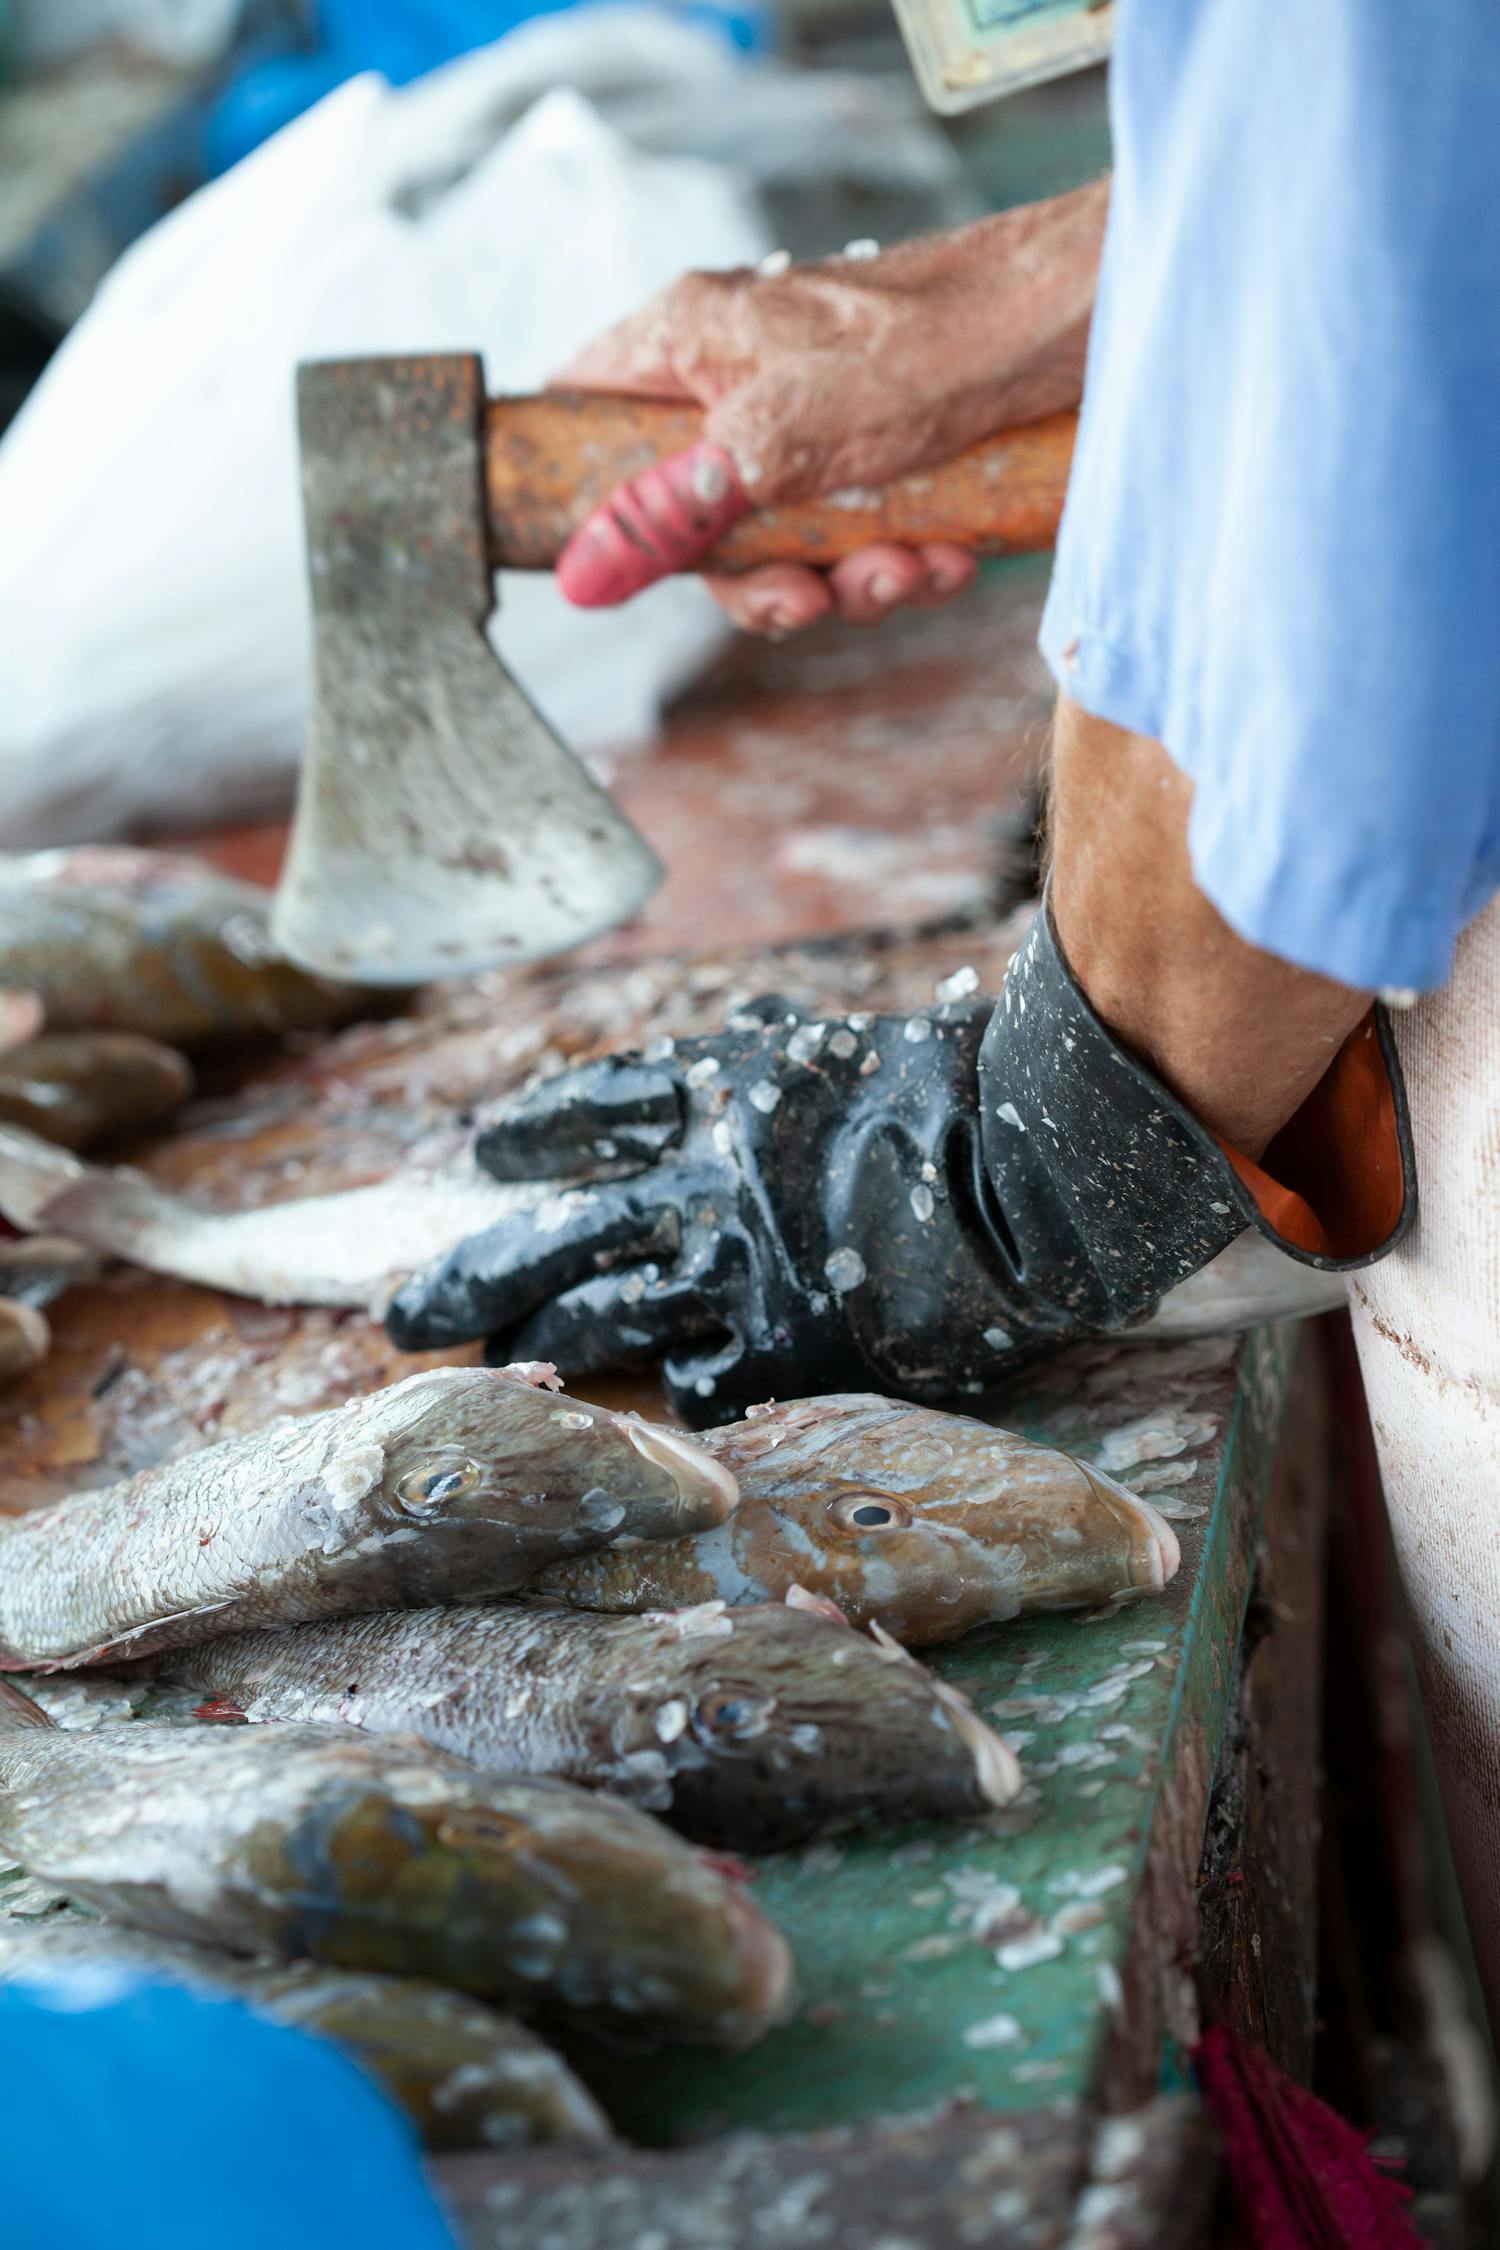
(441, 826)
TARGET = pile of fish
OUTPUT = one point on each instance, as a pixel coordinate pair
(396, 1776)
(111, 962)
(428, 1721)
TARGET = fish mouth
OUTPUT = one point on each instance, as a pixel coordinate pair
(997, 1769)
(707, 1494)
(766, 1983)
(1154, 1552)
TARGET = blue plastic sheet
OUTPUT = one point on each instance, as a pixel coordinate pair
(401, 39)
(149, 2118)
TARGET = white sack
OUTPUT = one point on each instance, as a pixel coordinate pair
(153, 627)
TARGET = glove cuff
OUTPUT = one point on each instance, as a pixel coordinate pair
(1106, 1191)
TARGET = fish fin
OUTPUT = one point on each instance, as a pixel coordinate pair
(816, 1605)
(539, 1373)
(143, 1640)
(726, 1864)
(220, 1711)
(18, 1711)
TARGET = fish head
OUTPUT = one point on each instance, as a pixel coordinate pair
(930, 1523)
(468, 1452)
(606, 1915)
(765, 1726)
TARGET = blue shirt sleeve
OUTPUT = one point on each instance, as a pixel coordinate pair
(151, 2118)
(1280, 555)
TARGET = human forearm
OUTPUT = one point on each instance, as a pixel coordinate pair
(1241, 1036)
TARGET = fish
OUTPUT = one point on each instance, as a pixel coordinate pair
(352, 1247)
(925, 1523)
(457, 1483)
(79, 1087)
(358, 1245)
(752, 1729)
(466, 2076)
(106, 938)
(378, 1854)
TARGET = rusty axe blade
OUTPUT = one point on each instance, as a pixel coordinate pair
(441, 826)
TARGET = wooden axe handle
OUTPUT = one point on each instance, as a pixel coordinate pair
(550, 461)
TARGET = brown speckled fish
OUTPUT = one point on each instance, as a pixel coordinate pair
(752, 1728)
(926, 1523)
(465, 2076)
(106, 938)
(318, 1843)
(460, 1482)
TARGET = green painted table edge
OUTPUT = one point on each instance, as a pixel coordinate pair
(1028, 1960)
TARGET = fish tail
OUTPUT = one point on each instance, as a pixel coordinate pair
(108, 1207)
(17, 1711)
(33, 1173)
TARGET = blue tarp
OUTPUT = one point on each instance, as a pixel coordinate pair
(401, 39)
(149, 2118)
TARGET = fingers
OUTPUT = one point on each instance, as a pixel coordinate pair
(863, 589)
(866, 587)
(949, 571)
(616, 1317)
(615, 1112)
(495, 1280)
(781, 598)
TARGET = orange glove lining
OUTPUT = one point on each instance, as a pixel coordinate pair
(1331, 1181)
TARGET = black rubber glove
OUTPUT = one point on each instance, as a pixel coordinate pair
(913, 1204)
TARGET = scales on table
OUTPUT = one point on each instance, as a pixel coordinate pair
(965, 52)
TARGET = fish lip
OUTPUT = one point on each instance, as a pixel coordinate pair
(767, 1988)
(1156, 1558)
(700, 1480)
(996, 1770)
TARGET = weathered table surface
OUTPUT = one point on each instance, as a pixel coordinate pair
(1032, 1961)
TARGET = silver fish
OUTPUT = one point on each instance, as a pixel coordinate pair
(465, 2076)
(753, 1728)
(459, 1482)
(926, 1523)
(357, 1245)
(316, 1843)
(353, 1247)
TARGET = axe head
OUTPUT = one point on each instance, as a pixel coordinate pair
(441, 826)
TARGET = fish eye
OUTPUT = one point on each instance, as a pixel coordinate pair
(435, 1483)
(863, 1512)
(735, 1716)
(478, 1828)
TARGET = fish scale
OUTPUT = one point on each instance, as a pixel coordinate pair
(305, 1842)
(456, 1482)
(968, 1525)
(752, 1729)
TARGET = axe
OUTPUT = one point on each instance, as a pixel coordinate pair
(441, 826)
